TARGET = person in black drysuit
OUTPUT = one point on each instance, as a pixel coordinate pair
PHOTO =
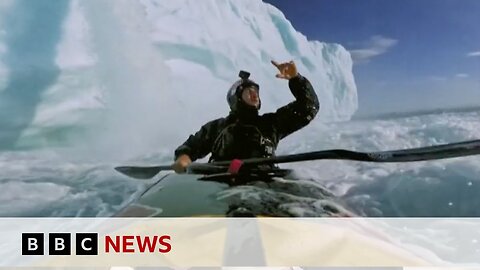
(244, 133)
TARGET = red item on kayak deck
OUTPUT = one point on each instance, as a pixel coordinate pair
(235, 166)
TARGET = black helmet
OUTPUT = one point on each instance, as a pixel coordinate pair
(234, 95)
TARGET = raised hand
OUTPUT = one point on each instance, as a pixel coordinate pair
(287, 70)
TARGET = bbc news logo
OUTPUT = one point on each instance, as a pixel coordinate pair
(59, 244)
(87, 244)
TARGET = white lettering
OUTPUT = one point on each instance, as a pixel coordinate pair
(59, 244)
(83, 244)
(32, 244)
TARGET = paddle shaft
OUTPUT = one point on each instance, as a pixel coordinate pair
(460, 149)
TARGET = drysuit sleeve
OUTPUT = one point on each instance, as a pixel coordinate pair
(199, 144)
(300, 112)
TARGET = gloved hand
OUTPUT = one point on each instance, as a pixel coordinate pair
(181, 164)
(287, 70)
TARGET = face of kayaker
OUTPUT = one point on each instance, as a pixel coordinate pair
(250, 96)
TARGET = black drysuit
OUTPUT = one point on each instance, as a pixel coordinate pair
(246, 134)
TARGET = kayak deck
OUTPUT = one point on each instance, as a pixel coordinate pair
(175, 195)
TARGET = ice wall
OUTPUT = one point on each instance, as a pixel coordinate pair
(138, 75)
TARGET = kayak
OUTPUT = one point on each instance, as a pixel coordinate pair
(174, 195)
(219, 188)
(187, 195)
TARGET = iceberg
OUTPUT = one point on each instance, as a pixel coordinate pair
(144, 74)
(215, 39)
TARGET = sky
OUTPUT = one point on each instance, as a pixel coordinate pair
(408, 55)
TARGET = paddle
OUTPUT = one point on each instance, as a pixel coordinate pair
(142, 172)
(147, 172)
(443, 151)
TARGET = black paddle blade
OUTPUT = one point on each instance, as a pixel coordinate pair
(443, 151)
(141, 172)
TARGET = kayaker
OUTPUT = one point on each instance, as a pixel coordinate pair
(244, 133)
